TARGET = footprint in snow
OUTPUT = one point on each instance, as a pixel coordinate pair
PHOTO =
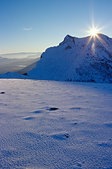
(78, 164)
(37, 112)
(53, 108)
(2, 92)
(75, 108)
(61, 136)
(28, 118)
(108, 125)
(105, 145)
(75, 123)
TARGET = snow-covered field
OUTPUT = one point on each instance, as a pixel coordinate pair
(34, 134)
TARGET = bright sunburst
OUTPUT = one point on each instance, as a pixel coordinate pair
(93, 31)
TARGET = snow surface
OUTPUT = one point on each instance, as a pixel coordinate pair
(33, 134)
(77, 59)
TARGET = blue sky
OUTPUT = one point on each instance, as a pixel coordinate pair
(34, 25)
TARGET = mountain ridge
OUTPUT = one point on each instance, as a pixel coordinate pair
(86, 59)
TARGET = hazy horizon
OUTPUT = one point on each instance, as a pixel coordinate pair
(14, 62)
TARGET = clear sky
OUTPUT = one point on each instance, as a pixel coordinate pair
(34, 25)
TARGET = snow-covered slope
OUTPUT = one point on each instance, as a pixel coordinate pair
(76, 135)
(77, 59)
(12, 75)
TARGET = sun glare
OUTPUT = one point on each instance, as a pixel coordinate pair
(94, 36)
(93, 31)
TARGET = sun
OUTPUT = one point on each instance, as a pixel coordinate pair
(94, 31)
(94, 36)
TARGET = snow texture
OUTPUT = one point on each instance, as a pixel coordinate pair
(55, 125)
(86, 59)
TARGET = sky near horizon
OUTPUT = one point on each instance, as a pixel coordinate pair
(34, 25)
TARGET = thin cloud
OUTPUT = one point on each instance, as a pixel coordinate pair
(28, 29)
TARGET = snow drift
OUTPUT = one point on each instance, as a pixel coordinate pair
(86, 59)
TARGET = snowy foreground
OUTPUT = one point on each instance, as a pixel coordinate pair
(36, 135)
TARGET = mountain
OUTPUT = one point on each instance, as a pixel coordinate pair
(12, 75)
(87, 59)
